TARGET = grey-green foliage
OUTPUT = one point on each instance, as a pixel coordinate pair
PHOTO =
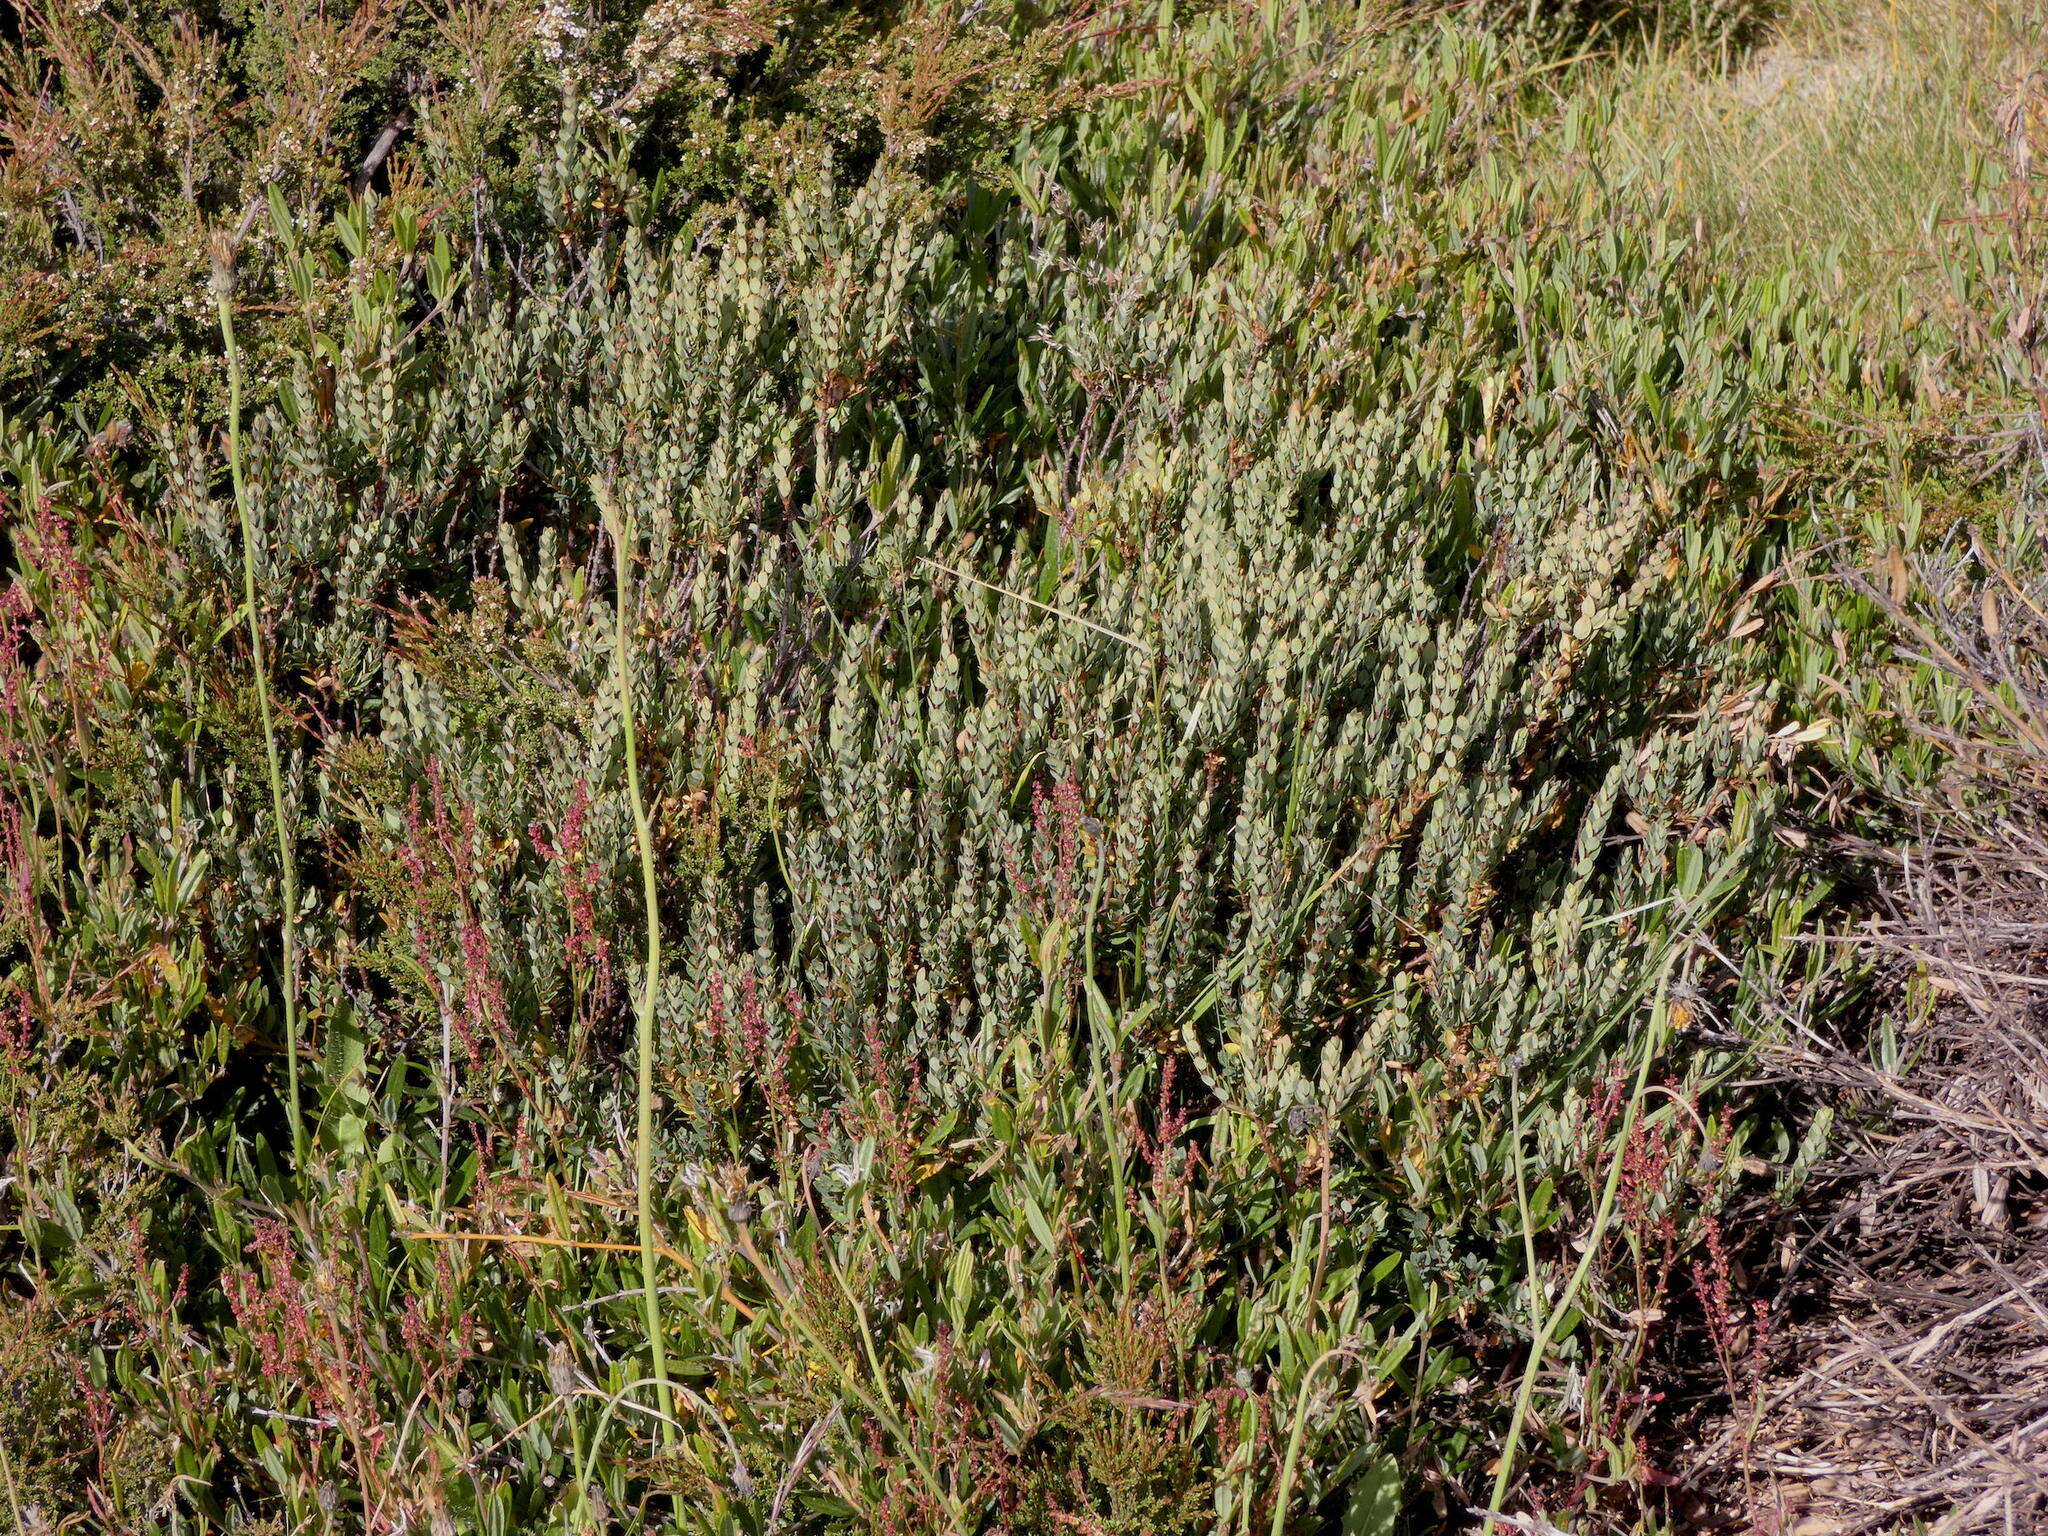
(1370, 663)
(1242, 602)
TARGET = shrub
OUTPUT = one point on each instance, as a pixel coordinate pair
(1205, 751)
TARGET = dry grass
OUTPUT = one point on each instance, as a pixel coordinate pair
(1908, 1384)
(1846, 138)
(1914, 1388)
(1912, 1392)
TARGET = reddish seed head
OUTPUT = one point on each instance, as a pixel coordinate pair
(568, 853)
(14, 611)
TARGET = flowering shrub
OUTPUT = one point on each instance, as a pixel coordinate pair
(1184, 709)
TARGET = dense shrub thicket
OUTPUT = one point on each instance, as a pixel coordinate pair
(1035, 771)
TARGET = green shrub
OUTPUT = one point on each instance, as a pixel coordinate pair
(142, 137)
(1201, 722)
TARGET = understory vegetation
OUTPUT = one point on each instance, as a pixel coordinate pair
(788, 767)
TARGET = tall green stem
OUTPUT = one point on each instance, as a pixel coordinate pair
(13, 1498)
(643, 1152)
(1285, 1491)
(287, 867)
(1547, 1328)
